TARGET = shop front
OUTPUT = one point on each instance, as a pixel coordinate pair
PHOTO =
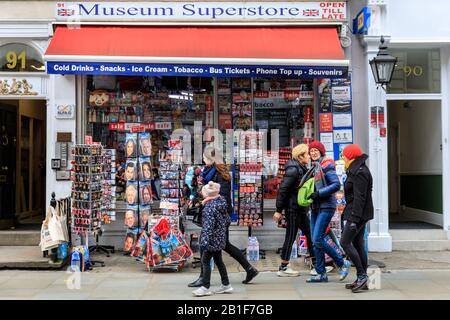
(288, 80)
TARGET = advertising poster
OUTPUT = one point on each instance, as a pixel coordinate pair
(131, 170)
(145, 144)
(342, 120)
(327, 140)
(326, 122)
(343, 136)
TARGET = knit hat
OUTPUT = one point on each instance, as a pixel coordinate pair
(319, 146)
(211, 189)
(213, 154)
(352, 151)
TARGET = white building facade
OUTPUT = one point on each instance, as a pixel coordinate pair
(409, 159)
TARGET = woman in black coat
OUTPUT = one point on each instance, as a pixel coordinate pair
(358, 211)
(217, 171)
(296, 216)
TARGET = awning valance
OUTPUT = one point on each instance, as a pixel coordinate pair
(235, 51)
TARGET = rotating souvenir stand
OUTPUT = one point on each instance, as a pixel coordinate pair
(251, 185)
(108, 200)
(87, 191)
(171, 203)
(138, 195)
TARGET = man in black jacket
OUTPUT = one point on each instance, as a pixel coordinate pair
(358, 211)
(296, 216)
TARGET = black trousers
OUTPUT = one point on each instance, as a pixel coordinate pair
(295, 221)
(234, 252)
(206, 264)
(352, 241)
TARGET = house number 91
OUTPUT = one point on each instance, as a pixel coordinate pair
(416, 71)
(12, 58)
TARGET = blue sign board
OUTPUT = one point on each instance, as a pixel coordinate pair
(362, 21)
(149, 69)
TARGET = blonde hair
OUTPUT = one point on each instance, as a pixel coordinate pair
(299, 150)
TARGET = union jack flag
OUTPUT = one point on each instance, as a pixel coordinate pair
(311, 12)
(65, 12)
(302, 241)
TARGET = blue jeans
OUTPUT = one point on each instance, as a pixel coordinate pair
(319, 223)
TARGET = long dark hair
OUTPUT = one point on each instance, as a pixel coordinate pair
(222, 169)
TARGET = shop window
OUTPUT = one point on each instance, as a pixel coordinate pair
(18, 57)
(117, 105)
(417, 71)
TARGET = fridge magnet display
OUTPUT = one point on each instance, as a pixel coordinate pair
(146, 168)
(131, 193)
(130, 218)
(145, 145)
(145, 190)
(131, 170)
(130, 145)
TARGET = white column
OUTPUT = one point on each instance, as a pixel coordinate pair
(379, 238)
(445, 109)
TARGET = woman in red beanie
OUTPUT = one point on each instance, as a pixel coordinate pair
(358, 211)
(326, 184)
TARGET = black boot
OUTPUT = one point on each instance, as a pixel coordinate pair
(361, 284)
(196, 283)
(251, 273)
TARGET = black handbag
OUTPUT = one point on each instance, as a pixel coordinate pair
(196, 213)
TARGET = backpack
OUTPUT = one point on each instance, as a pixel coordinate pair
(304, 192)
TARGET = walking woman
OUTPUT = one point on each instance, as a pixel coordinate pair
(326, 184)
(215, 221)
(358, 211)
(296, 216)
(217, 171)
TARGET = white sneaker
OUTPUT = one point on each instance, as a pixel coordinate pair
(288, 273)
(327, 268)
(224, 289)
(201, 292)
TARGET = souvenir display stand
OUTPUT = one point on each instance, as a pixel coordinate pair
(109, 200)
(87, 191)
(167, 247)
(250, 195)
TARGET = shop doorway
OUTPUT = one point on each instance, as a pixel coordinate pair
(22, 163)
(415, 164)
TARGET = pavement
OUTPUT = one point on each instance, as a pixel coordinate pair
(408, 275)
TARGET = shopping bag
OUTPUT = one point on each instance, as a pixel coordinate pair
(61, 211)
(54, 225)
(47, 241)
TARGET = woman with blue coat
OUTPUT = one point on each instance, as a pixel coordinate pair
(326, 184)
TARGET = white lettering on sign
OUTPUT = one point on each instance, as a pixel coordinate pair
(201, 11)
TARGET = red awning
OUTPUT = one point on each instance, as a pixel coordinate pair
(236, 45)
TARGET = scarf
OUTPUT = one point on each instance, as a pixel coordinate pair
(208, 174)
(207, 199)
(347, 165)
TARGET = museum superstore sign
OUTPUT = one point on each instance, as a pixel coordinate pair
(201, 11)
(141, 69)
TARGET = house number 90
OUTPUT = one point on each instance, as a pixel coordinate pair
(416, 71)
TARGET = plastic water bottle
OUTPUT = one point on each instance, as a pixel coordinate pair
(75, 262)
(256, 250)
(252, 249)
(294, 253)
